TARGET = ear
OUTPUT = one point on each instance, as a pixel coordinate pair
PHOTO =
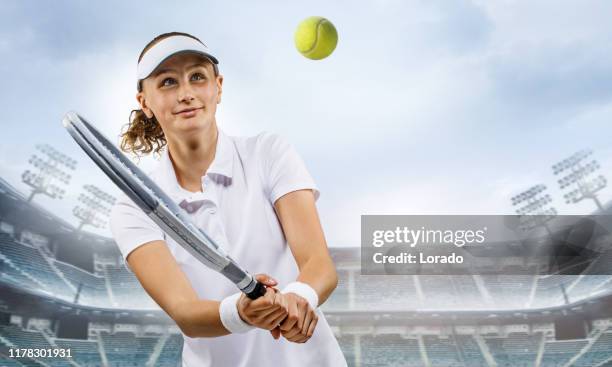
(140, 97)
(219, 87)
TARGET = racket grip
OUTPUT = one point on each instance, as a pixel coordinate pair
(258, 291)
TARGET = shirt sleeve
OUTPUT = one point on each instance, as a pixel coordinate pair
(131, 227)
(284, 170)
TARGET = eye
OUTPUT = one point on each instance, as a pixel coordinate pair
(163, 82)
(199, 76)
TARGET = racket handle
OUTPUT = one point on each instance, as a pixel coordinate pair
(258, 291)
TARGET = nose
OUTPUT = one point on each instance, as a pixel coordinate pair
(185, 92)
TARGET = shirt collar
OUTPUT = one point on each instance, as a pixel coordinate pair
(220, 170)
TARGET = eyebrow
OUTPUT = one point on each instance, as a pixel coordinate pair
(161, 71)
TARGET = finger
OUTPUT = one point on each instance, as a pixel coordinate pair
(275, 315)
(302, 339)
(295, 339)
(307, 321)
(266, 279)
(273, 319)
(312, 327)
(265, 302)
(275, 333)
(283, 320)
(288, 323)
(268, 314)
(270, 295)
(303, 312)
(283, 305)
(299, 338)
(279, 319)
(291, 334)
(292, 316)
(280, 300)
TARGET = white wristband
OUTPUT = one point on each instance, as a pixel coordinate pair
(305, 291)
(230, 318)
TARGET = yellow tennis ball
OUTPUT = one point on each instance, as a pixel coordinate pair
(316, 38)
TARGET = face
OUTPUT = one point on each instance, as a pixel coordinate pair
(182, 94)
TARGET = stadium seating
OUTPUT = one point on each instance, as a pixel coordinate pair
(31, 339)
(509, 291)
(93, 288)
(347, 344)
(339, 300)
(585, 285)
(29, 260)
(84, 352)
(559, 352)
(26, 267)
(127, 291)
(120, 344)
(390, 350)
(438, 292)
(442, 351)
(171, 352)
(516, 349)
(469, 349)
(122, 349)
(468, 296)
(11, 274)
(549, 290)
(397, 292)
(599, 352)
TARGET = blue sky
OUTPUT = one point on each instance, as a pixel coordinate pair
(425, 107)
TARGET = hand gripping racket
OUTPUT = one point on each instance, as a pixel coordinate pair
(157, 205)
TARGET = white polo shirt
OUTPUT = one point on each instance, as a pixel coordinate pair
(240, 187)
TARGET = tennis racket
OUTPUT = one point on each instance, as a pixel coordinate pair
(157, 205)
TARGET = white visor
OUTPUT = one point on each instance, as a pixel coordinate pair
(168, 47)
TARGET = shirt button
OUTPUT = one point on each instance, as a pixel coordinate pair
(213, 211)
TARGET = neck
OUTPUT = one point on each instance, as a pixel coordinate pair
(192, 157)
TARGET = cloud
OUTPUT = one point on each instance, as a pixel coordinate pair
(423, 107)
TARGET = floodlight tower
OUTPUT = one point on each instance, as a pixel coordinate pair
(51, 169)
(534, 211)
(95, 206)
(578, 168)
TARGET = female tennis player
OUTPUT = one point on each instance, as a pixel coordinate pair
(253, 195)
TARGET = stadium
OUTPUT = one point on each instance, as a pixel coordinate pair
(67, 289)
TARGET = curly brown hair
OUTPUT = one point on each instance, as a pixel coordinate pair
(144, 135)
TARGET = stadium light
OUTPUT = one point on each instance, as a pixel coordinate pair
(49, 172)
(578, 168)
(95, 206)
(534, 210)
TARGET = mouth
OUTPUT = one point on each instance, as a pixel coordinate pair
(188, 112)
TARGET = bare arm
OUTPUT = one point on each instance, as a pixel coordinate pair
(300, 221)
(165, 282)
